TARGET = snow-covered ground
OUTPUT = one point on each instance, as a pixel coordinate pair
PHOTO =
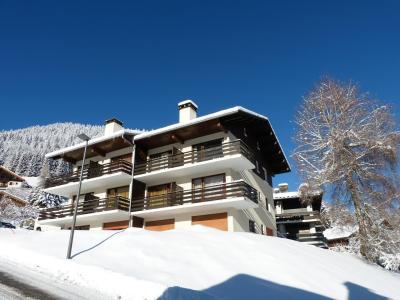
(32, 180)
(197, 263)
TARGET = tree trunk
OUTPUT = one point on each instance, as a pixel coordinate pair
(360, 215)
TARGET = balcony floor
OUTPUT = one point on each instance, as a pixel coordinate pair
(89, 185)
(195, 208)
(101, 217)
(237, 162)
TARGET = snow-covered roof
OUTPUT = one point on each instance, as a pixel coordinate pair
(339, 232)
(139, 135)
(93, 141)
(204, 118)
(286, 195)
(17, 196)
(11, 173)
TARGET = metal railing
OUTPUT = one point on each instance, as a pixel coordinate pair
(85, 206)
(194, 156)
(212, 193)
(90, 171)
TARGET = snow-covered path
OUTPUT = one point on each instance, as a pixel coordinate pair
(197, 263)
(13, 289)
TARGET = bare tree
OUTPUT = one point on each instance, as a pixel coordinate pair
(347, 144)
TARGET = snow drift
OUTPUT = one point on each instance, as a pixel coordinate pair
(196, 263)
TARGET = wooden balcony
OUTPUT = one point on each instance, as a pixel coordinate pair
(87, 206)
(236, 194)
(90, 171)
(194, 156)
(233, 155)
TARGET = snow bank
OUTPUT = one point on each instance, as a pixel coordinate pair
(32, 180)
(197, 263)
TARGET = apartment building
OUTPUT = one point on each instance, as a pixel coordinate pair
(215, 170)
(297, 220)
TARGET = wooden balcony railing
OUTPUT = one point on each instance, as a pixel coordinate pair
(183, 158)
(87, 206)
(90, 171)
(212, 193)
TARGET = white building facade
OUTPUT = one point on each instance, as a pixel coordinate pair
(215, 170)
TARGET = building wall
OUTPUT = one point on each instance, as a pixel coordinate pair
(238, 220)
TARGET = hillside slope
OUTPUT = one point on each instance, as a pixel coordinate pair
(197, 263)
(23, 150)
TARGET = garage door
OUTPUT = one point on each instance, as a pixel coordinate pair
(115, 225)
(160, 225)
(219, 221)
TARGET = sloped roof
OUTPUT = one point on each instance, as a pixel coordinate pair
(11, 174)
(14, 197)
(238, 115)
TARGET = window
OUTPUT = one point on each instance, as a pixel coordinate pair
(265, 174)
(252, 226)
(258, 145)
(208, 150)
(244, 132)
(267, 204)
(203, 188)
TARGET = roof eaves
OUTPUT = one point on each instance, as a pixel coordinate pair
(12, 173)
(175, 126)
(92, 142)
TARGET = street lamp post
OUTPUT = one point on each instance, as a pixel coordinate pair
(85, 138)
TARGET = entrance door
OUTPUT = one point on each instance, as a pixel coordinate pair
(209, 188)
(113, 194)
(90, 203)
(94, 170)
(157, 196)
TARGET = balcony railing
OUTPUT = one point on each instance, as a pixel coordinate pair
(87, 206)
(90, 171)
(194, 156)
(212, 193)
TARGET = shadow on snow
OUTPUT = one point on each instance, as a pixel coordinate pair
(244, 286)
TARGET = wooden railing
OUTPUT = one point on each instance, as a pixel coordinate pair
(87, 206)
(183, 158)
(212, 193)
(90, 171)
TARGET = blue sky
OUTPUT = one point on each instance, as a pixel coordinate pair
(86, 61)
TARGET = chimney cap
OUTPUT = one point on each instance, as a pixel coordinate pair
(187, 103)
(114, 120)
